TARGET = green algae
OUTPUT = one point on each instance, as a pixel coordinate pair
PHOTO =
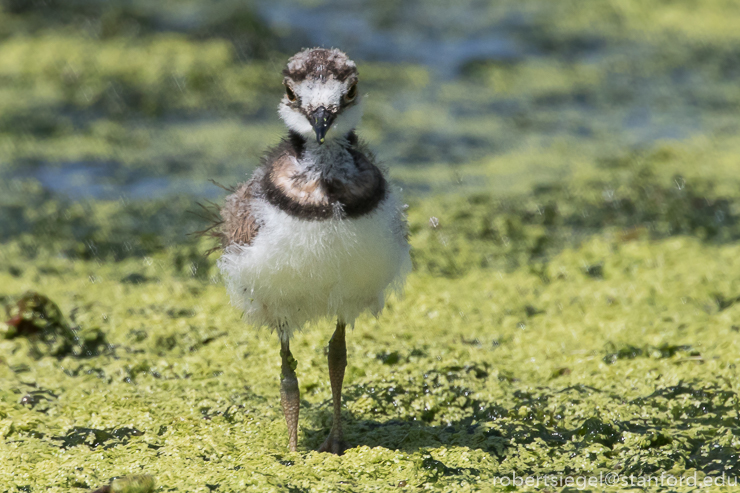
(634, 371)
(610, 347)
(133, 484)
(129, 484)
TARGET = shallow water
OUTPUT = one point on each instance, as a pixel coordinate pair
(476, 81)
(108, 181)
(443, 37)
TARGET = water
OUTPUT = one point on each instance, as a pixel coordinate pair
(442, 37)
(107, 180)
(628, 108)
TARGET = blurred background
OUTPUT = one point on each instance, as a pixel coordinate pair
(519, 126)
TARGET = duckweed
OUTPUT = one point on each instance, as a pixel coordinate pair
(634, 371)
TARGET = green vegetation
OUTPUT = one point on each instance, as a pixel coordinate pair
(574, 215)
(554, 342)
(616, 355)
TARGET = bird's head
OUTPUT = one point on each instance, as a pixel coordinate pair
(321, 95)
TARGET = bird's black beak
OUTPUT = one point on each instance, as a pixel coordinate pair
(321, 120)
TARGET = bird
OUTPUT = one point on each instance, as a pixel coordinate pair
(317, 232)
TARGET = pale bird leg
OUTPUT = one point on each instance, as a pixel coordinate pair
(289, 393)
(337, 364)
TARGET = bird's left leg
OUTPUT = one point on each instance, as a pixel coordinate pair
(337, 364)
(289, 393)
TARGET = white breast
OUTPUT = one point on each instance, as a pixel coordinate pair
(298, 270)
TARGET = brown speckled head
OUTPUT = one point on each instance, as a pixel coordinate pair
(321, 94)
(319, 63)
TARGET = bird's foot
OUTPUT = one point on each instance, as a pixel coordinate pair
(334, 445)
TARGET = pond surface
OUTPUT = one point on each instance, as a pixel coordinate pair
(108, 180)
(476, 81)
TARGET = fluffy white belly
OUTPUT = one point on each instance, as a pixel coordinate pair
(298, 270)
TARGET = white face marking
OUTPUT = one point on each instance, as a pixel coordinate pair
(295, 120)
(313, 94)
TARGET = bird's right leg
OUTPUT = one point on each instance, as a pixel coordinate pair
(337, 363)
(289, 393)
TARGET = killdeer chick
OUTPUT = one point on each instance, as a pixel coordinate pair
(317, 231)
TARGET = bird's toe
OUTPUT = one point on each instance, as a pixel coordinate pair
(334, 446)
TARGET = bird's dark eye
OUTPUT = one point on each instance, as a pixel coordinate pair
(351, 93)
(291, 95)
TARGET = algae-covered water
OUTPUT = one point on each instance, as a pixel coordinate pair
(572, 181)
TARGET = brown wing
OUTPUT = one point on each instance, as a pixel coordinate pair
(234, 222)
(239, 225)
